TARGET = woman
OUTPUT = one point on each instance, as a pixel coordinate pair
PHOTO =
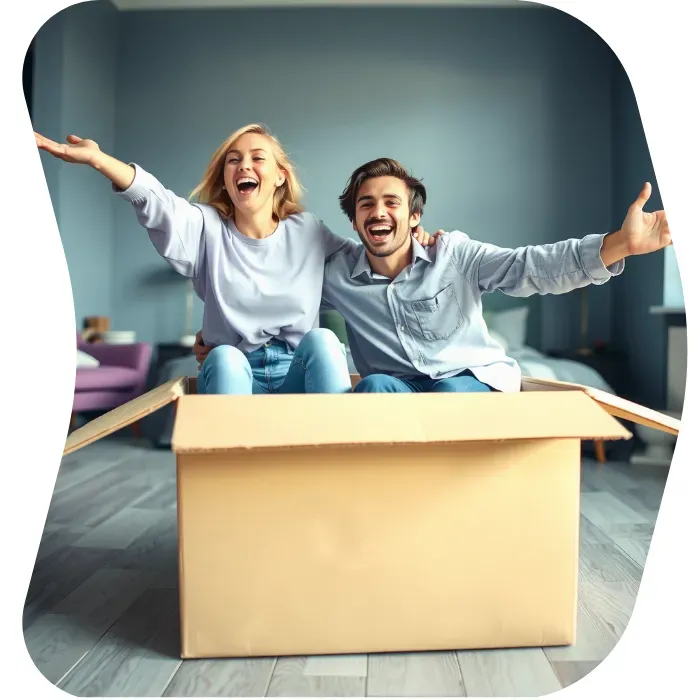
(254, 256)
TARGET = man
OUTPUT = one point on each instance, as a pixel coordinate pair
(414, 315)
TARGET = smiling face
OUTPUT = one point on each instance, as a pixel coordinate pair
(251, 173)
(382, 215)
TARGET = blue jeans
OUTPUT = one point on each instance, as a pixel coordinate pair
(385, 383)
(318, 366)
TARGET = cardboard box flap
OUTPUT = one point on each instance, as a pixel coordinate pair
(217, 423)
(124, 415)
(614, 405)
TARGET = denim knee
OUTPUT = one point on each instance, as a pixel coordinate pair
(376, 383)
(461, 384)
(226, 356)
(225, 370)
(320, 340)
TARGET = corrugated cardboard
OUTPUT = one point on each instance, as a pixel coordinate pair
(317, 524)
(614, 405)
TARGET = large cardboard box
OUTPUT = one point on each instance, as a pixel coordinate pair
(317, 524)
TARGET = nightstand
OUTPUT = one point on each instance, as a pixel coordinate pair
(612, 365)
(171, 351)
(163, 353)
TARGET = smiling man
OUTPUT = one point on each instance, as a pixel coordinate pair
(414, 315)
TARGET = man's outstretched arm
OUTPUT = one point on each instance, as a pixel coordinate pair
(556, 268)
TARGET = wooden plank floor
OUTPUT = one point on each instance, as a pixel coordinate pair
(101, 616)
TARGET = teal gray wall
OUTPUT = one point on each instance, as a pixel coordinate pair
(505, 114)
(640, 334)
(75, 92)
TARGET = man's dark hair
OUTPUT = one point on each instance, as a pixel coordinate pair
(379, 168)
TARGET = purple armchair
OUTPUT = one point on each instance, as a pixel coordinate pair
(121, 376)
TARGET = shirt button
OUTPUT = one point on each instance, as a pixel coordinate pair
(402, 328)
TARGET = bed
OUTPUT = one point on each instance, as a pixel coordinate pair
(516, 323)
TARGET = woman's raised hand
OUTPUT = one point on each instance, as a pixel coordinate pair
(76, 150)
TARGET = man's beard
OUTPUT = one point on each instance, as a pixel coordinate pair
(383, 250)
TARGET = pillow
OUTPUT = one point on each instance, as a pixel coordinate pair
(84, 360)
(511, 325)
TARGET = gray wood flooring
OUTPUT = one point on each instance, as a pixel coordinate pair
(101, 615)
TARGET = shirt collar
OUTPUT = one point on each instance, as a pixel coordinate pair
(362, 264)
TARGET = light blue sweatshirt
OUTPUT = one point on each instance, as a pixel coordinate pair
(253, 290)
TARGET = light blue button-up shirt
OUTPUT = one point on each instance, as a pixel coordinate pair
(428, 321)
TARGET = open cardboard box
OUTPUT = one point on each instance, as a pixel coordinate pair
(319, 524)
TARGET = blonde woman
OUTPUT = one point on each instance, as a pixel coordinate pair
(254, 256)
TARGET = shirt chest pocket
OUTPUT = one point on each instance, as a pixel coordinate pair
(439, 317)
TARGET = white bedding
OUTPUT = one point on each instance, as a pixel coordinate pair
(509, 328)
(534, 364)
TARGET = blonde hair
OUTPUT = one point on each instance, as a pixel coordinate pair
(211, 189)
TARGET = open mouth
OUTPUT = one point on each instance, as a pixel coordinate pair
(378, 233)
(246, 185)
